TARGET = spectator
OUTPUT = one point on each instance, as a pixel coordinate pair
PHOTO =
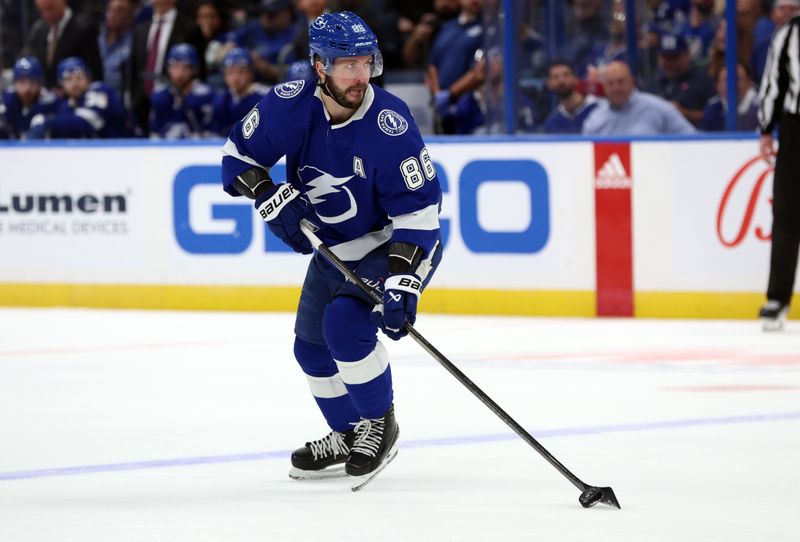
(410, 13)
(60, 34)
(92, 109)
(418, 42)
(716, 111)
(700, 29)
(299, 70)
(151, 41)
(242, 93)
(688, 87)
(587, 28)
(183, 107)
(668, 17)
(115, 43)
(382, 17)
(26, 100)
(308, 11)
(744, 48)
(631, 112)
(214, 24)
(268, 39)
(615, 49)
(781, 12)
(573, 106)
(453, 73)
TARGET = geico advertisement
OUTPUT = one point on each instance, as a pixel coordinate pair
(702, 216)
(513, 216)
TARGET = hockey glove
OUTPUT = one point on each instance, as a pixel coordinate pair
(283, 207)
(400, 296)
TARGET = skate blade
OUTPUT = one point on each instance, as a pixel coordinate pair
(324, 474)
(360, 481)
(768, 324)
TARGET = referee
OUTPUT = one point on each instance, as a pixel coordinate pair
(779, 105)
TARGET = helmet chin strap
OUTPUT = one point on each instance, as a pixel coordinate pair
(323, 85)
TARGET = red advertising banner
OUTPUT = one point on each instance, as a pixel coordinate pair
(613, 236)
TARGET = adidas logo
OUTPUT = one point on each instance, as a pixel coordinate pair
(612, 176)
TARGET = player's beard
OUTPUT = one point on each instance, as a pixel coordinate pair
(342, 97)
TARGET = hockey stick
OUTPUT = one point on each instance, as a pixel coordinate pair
(590, 495)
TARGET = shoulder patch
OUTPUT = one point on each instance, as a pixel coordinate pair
(392, 123)
(290, 89)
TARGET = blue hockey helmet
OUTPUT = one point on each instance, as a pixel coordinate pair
(238, 56)
(183, 53)
(28, 67)
(73, 64)
(334, 35)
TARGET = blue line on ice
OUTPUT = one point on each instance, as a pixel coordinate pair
(422, 443)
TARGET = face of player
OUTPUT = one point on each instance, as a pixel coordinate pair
(180, 74)
(348, 79)
(238, 79)
(75, 84)
(27, 89)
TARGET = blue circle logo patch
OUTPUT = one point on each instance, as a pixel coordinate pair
(290, 89)
(392, 123)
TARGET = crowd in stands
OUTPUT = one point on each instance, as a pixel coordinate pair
(191, 68)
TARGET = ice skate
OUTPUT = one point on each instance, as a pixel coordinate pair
(323, 458)
(773, 315)
(375, 446)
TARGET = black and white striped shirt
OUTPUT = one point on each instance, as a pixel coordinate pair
(780, 85)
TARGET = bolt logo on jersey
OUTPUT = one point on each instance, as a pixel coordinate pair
(392, 123)
(290, 89)
(319, 184)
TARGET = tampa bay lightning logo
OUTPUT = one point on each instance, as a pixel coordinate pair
(322, 191)
(392, 123)
(290, 89)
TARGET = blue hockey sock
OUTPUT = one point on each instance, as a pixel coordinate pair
(326, 385)
(362, 361)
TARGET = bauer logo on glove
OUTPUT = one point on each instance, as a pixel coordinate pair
(272, 207)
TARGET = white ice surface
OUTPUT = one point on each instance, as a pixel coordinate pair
(176, 426)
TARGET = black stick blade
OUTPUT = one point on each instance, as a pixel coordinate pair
(594, 495)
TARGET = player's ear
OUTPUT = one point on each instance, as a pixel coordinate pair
(319, 67)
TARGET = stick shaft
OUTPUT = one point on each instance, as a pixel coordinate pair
(447, 364)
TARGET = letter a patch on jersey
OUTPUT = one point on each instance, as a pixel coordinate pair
(358, 167)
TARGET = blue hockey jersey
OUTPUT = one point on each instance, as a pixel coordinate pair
(229, 108)
(370, 179)
(98, 113)
(173, 116)
(561, 121)
(15, 120)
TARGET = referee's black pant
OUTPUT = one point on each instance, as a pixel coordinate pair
(785, 211)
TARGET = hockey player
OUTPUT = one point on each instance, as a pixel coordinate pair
(92, 109)
(242, 93)
(27, 99)
(357, 169)
(183, 107)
